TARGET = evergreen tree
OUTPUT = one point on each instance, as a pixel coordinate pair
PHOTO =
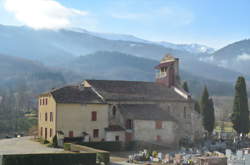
(197, 107)
(185, 86)
(54, 141)
(211, 116)
(240, 115)
(207, 111)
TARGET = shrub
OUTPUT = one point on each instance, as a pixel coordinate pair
(67, 146)
(54, 141)
(103, 157)
(50, 159)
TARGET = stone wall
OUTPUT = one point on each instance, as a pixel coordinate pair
(145, 130)
(110, 135)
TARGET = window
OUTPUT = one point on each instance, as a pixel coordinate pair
(117, 138)
(46, 116)
(41, 131)
(46, 133)
(94, 116)
(114, 111)
(40, 100)
(158, 124)
(71, 134)
(46, 101)
(185, 113)
(129, 124)
(95, 133)
(158, 138)
(43, 102)
(51, 116)
(50, 132)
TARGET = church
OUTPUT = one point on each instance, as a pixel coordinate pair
(109, 110)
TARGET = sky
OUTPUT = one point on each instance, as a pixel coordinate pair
(214, 23)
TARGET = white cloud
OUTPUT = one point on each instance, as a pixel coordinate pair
(243, 57)
(40, 14)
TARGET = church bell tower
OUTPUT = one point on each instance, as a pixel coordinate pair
(168, 71)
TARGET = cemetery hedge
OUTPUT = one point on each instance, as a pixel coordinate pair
(50, 159)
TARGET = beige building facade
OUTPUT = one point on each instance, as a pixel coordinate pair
(105, 110)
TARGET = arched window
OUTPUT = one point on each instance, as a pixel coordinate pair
(46, 116)
(114, 111)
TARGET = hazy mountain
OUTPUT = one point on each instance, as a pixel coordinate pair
(55, 48)
(191, 48)
(115, 65)
(238, 50)
(14, 70)
(235, 56)
(113, 36)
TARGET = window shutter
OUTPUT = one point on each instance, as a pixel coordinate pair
(94, 116)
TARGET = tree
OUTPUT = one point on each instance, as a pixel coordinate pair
(197, 107)
(54, 141)
(185, 86)
(207, 110)
(211, 116)
(240, 115)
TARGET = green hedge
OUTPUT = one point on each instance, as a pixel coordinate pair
(107, 146)
(50, 159)
(66, 146)
(101, 156)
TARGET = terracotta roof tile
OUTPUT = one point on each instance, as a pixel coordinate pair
(134, 91)
(75, 94)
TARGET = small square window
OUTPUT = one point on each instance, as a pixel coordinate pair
(158, 138)
(158, 124)
(71, 134)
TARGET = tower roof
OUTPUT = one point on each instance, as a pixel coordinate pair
(168, 58)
